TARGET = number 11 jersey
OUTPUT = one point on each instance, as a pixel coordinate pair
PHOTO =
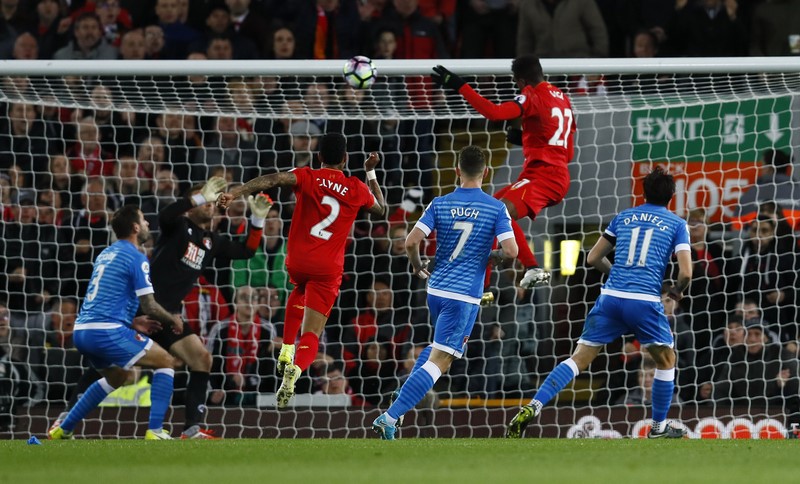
(645, 237)
(328, 202)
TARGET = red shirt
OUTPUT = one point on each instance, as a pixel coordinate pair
(328, 202)
(548, 125)
(548, 122)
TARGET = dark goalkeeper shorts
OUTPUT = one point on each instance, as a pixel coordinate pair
(166, 338)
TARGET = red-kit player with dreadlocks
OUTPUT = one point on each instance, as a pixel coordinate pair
(548, 130)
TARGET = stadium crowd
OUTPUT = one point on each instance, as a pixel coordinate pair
(63, 171)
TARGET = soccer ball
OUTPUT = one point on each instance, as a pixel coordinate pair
(360, 72)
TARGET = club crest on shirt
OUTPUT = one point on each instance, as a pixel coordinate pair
(520, 99)
(207, 242)
(139, 337)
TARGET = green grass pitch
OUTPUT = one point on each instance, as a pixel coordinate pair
(489, 461)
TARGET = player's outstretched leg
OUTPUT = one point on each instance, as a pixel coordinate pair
(160, 395)
(295, 310)
(423, 357)
(419, 382)
(90, 399)
(554, 383)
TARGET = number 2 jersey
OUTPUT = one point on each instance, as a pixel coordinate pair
(120, 276)
(645, 237)
(466, 223)
(328, 202)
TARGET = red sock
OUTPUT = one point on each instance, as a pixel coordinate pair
(307, 350)
(293, 316)
(525, 254)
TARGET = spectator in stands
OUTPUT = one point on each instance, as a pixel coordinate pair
(283, 44)
(220, 47)
(772, 27)
(709, 28)
(86, 156)
(565, 28)
(642, 394)
(226, 146)
(29, 251)
(270, 308)
(25, 47)
(88, 43)
(23, 142)
(177, 35)
(132, 45)
(304, 139)
(242, 348)
(117, 128)
(48, 206)
(114, 20)
(746, 309)
(14, 20)
(218, 22)
(335, 383)
(267, 266)
(249, 24)
(51, 29)
(707, 299)
(88, 234)
(61, 322)
(752, 374)
(151, 155)
(204, 307)
(59, 180)
(182, 143)
(784, 232)
(166, 187)
(418, 37)
(155, 45)
(765, 275)
(692, 346)
(489, 29)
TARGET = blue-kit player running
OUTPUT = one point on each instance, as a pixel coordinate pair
(109, 336)
(645, 238)
(466, 223)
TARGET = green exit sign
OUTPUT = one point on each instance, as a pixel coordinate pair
(728, 131)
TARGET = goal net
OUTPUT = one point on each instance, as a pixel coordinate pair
(79, 139)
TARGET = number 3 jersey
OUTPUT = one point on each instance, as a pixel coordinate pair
(466, 223)
(328, 202)
(645, 237)
(120, 276)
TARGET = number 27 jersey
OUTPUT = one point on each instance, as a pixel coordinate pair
(328, 202)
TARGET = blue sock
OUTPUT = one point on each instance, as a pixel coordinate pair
(160, 396)
(93, 396)
(663, 386)
(423, 357)
(556, 381)
(414, 389)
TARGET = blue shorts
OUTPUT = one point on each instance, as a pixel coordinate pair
(121, 346)
(453, 321)
(612, 317)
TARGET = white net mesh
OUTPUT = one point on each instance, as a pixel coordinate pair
(73, 148)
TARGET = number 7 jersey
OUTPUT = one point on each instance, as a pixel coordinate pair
(646, 237)
(328, 203)
(466, 223)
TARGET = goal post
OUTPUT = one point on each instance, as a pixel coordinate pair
(160, 126)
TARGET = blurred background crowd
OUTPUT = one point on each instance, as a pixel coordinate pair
(63, 171)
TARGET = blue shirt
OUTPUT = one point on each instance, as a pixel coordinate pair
(646, 237)
(466, 223)
(120, 276)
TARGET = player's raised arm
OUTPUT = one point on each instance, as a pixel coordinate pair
(227, 248)
(260, 184)
(493, 112)
(151, 308)
(379, 208)
(208, 193)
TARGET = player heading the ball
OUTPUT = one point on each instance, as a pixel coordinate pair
(328, 202)
(630, 301)
(547, 139)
